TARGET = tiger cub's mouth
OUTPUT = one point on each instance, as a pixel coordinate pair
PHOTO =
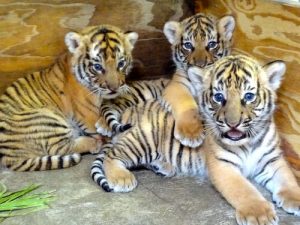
(234, 135)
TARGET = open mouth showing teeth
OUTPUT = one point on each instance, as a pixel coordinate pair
(234, 135)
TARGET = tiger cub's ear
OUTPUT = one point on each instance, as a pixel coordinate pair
(131, 38)
(275, 71)
(73, 41)
(172, 31)
(226, 26)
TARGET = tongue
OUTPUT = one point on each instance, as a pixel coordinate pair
(234, 134)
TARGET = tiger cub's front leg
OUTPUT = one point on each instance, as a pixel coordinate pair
(118, 177)
(103, 128)
(163, 168)
(118, 160)
(85, 144)
(188, 124)
(251, 207)
(280, 180)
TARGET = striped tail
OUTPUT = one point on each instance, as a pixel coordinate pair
(115, 127)
(119, 128)
(43, 162)
(97, 172)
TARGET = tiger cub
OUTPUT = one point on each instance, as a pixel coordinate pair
(48, 118)
(236, 97)
(198, 40)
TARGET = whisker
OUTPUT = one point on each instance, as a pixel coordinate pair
(92, 92)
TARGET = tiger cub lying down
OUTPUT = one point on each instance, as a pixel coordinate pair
(48, 118)
(237, 100)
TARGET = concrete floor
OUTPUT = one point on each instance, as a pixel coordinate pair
(157, 200)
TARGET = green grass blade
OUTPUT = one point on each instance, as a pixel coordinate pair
(21, 202)
(3, 189)
(26, 202)
(17, 194)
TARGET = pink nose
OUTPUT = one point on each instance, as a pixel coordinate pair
(232, 124)
(113, 87)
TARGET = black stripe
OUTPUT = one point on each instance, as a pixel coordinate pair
(60, 162)
(234, 153)
(8, 147)
(190, 166)
(22, 164)
(153, 93)
(179, 157)
(139, 93)
(143, 137)
(114, 40)
(72, 162)
(37, 124)
(11, 101)
(265, 183)
(171, 141)
(128, 161)
(30, 78)
(101, 31)
(31, 166)
(265, 154)
(49, 163)
(229, 162)
(257, 144)
(39, 164)
(134, 149)
(45, 90)
(56, 135)
(268, 163)
(16, 86)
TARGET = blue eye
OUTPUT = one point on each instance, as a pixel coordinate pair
(248, 97)
(188, 45)
(219, 98)
(212, 44)
(121, 64)
(98, 67)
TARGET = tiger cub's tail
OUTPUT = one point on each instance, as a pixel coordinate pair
(119, 128)
(97, 172)
(42, 163)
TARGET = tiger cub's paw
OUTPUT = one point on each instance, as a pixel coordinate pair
(162, 168)
(102, 127)
(121, 180)
(256, 213)
(189, 129)
(289, 200)
(98, 145)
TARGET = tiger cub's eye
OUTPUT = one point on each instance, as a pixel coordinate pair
(248, 97)
(219, 98)
(188, 46)
(212, 44)
(121, 63)
(97, 67)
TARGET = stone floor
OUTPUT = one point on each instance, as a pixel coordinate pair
(157, 200)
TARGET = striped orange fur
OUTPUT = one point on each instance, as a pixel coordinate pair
(47, 118)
